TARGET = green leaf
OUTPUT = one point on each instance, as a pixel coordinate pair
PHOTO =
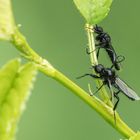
(93, 11)
(16, 84)
(7, 24)
(136, 137)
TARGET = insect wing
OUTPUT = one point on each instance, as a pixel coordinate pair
(126, 89)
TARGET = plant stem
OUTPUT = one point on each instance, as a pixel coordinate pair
(94, 61)
(92, 52)
(44, 66)
(100, 107)
(19, 41)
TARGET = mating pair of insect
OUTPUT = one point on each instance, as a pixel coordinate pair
(108, 75)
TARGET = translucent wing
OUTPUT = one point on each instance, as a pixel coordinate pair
(126, 89)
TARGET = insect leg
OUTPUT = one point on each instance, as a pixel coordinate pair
(122, 59)
(109, 50)
(111, 91)
(97, 44)
(112, 66)
(98, 52)
(87, 74)
(118, 99)
(99, 88)
(112, 98)
(91, 94)
(89, 52)
(115, 106)
(118, 61)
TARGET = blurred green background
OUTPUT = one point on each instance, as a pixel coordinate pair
(55, 29)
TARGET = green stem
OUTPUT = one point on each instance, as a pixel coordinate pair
(94, 61)
(91, 42)
(19, 41)
(44, 66)
(100, 107)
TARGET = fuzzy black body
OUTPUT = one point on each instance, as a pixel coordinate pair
(104, 41)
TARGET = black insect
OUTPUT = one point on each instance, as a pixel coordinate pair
(111, 79)
(104, 41)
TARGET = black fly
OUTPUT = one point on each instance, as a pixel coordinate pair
(111, 79)
(104, 41)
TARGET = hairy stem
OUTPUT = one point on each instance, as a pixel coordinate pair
(19, 41)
